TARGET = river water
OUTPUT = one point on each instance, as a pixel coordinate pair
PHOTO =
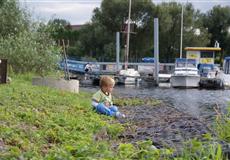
(196, 102)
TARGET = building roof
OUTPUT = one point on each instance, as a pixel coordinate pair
(202, 49)
(76, 26)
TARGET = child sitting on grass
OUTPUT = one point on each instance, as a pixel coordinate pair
(102, 99)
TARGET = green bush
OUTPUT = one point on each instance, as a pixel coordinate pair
(29, 52)
(26, 44)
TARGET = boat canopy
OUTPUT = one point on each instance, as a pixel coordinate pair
(206, 66)
(227, 58)
(148, 59)
(185, 60)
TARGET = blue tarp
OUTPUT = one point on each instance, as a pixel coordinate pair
(227, 58)
(148, 59)
(206, 66)
(185, 60)
(181, 60)
(73, 66)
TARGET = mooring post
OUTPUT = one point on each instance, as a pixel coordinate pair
(156, 49)
(118, 50)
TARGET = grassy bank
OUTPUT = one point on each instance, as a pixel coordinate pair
(44, 123)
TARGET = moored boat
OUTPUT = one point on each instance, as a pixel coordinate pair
(128, 76)
(185, 74)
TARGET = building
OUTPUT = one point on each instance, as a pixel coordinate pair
(76, 27)
(203, 55)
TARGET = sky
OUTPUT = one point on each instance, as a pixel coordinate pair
(80, 11)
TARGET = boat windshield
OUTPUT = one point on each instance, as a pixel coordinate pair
(183, 63)
(191, 65)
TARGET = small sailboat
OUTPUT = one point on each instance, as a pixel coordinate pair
(128, 75)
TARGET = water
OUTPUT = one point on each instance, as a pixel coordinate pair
(198, 103)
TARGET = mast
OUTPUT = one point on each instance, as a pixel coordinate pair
(128, 37)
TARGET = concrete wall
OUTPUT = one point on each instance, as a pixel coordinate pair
(71, 85)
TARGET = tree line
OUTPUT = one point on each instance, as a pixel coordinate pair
(32, 46)
(96, 39)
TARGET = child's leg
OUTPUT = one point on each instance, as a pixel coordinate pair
(113, 108)
(101, 108)
(117, 113)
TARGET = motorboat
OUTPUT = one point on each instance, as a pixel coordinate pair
(186, 74)
(210, 76)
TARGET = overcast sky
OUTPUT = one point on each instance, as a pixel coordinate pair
(80, 11)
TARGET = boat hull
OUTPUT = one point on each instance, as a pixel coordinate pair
(127, 80)
(128, 77)
(185, 81)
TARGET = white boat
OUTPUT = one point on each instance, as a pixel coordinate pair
(185, 74)
(128, 76)
(225, 75)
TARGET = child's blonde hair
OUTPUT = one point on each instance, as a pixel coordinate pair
(106, 81)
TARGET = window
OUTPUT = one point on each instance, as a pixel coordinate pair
(206, 54)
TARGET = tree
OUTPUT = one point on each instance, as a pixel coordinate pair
(59, 28)
(27, 45)
(217, 21)
(13, 19)
(99, 35)
(169, 15)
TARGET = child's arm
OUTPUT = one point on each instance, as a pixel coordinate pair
(94, 103)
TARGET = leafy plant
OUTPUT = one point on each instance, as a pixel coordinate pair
(136, 101)
(222, 126)
(206, 150)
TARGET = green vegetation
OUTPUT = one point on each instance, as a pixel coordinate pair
(26, 44)
(207, 150)
(136, 101)
(223, 126)
(39, 122)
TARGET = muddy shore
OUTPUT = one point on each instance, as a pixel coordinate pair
(164, 125)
